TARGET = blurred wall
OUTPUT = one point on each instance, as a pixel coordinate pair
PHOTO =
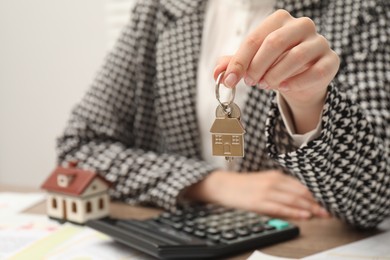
(49, 54)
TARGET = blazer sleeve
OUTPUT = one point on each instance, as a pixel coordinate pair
(347, 167)
(99, 134)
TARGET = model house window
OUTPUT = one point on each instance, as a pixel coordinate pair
(101, 203)
(54, 203)
(74, 207)
(88, 207)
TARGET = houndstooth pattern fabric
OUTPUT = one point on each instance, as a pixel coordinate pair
(137, 123)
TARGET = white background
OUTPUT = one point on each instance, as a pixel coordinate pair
(50, 51)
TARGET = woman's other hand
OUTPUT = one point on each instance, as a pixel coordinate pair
(271, 193)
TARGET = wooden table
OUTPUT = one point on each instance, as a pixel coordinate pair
(316, 234)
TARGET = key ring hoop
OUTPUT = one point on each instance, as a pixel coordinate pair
(224, 105)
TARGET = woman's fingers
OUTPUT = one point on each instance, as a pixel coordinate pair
(275, 45)
(295, 188)
(274, 209)
(247, 50)
(296, 61)
(283, 53)
(264, 192)
(222, 64)
(294, 193)
(290, 192)
(320, 73)
(292, 200)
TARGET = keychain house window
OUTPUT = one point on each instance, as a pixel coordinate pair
(218, 139)
(236, 140)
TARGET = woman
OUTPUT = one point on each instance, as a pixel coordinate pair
(316, 141)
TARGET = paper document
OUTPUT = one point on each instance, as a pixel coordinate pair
(257, 255)
(20, 230)
(372, 248)
(74, 242)
(13, 202)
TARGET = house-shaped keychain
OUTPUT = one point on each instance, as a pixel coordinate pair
(227, 137)
(76, 195)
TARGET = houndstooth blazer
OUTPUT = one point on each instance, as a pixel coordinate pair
(137, 124)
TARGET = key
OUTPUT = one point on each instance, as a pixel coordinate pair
(234, 110)
(227, 130)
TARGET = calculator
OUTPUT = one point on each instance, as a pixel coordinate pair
(197, 231)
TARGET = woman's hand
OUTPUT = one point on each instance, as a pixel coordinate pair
(271, 193)
(286, 54)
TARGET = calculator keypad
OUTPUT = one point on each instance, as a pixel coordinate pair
(220, 225)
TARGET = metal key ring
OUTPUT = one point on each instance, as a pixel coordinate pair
(224, 105)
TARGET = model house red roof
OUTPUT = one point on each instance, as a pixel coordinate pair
(78, 180)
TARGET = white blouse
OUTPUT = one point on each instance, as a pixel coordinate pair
(227, 22)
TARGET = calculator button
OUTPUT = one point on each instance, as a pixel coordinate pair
(176, 218)
(167, 221)
(215, 217)
(212, 231)
(225, 227)
(189, 216)
(213, 224)
(228, 214)
(255, 221)
(201, 227)
(268, 227)
(240, 224)
(278, 223)
(189, 223)
(229, 235)
(200, 233)
(252, 215)
(188, 229)
(201, 213)
(242, 231)
(201, 220)
(178, 212)
(214, 238)
(257, 229)
(166, 215)
(178, 225)
(227, 221)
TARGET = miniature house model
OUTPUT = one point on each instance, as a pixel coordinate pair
(227, 137)
(76, 195)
